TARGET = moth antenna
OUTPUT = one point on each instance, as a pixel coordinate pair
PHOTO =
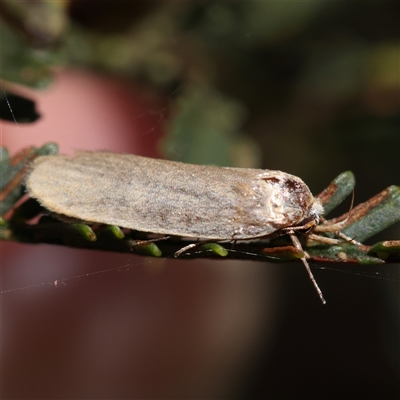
(297, 245)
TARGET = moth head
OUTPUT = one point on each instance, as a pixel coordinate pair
(293, 201)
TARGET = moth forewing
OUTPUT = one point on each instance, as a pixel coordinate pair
(167, 197)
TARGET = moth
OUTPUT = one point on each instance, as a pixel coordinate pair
(173, 198)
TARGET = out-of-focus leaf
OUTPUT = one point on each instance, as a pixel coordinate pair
(205, 129)
(40, 22)
(22, 64)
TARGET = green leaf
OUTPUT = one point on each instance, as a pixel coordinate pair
(85, 231)
(379, 217)
(385, 249)
(337, 191)
(21, 63)
(205, 129)
(216, 249)
(146, 249)
(345, 252)
(114, 231)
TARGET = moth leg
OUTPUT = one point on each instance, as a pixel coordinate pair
(338, 223)
(297, 245)
(188, 247)
(327, 240)
(335, 228)
(323, 239)
(348, 239)
(147, 241)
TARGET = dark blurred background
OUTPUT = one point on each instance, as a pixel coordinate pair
(310, 88)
